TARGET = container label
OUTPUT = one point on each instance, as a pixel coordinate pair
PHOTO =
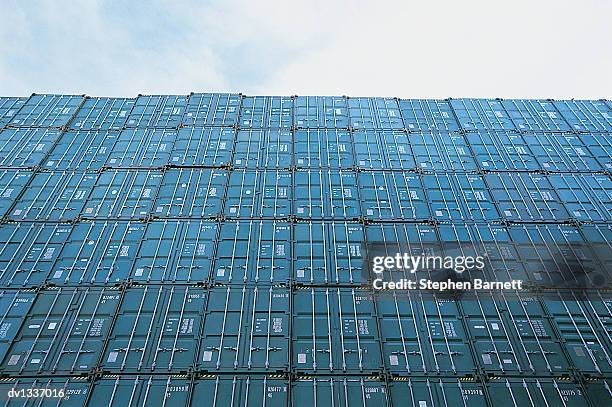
(301, 358)
(393, 360)
(14, 360)
(207, 356)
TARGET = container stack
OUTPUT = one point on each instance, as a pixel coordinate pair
(210, 250)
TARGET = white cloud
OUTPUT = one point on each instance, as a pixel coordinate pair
(394, 48)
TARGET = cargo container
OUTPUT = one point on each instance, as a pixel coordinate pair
(53, 196)
(246, 330)
(253, 251)
(481, 114)
(510, 340)
(176, 252)
(535, 115)
(552, 153)
(121, 194)
(212, 109)
(502, 151)
(270, 112)
(423, 335)
(536, 392)
(244, 390)
(526, 197)
(586, 197)
(323, 148)
(157, 111)
(72, 391)
(587, 347)
(14, 307)
(556, 256)
(587, 152)
(156, 330)
(329, 112)
(427, 115)
(339, 391)
(258, 194)
(374, 113)
(459, 197)
(203, 147)
(98, 253)
(191, 193)
(600, 146)
(12, 182)
(28, 251)
(102, 114)
(81, 151)
(9, 106)
(599, 239)
(446, 392)
(381, 150)
(586, 115)
(25, 147)
(392, 196)
(63, 332)
(328, 253)
(142, 148)
(47, 111)
(335, 330)
(325, 194)
(128, 390)
(439, 151)
(264, 149)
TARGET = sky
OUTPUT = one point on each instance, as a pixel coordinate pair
(409, 49)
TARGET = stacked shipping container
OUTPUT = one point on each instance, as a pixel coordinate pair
(209, 250)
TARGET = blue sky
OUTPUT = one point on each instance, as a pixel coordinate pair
(543, 48)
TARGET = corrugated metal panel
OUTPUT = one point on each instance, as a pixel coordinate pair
(381, 150)
(534, 115)
(248, 390)
(325, 194)
(246, 330)
(9, 106)
(321, 112)
(586, 115)
(264, 149)
(47, 111)
(335, 331)
(428, 115)
(63, 332)
(253, 252)
(266, 112)
(155, 330)
(142, 148)
(339, 391)
(54, 196)
(441, 152)
(191, 193)
(28, 251)
(128, 390)
(176, 252)
(481, 114)
(99, 252)
(12, 182)
(599, 238)
(323, 148)
(206, 147)
(157, 111)
(328, 253)
(123, 195)
(599, 392)
(81, 151)
(102, 114)
(255, 194)
(212, 109)
(374, 113)
(586, 197)
(25, 148)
